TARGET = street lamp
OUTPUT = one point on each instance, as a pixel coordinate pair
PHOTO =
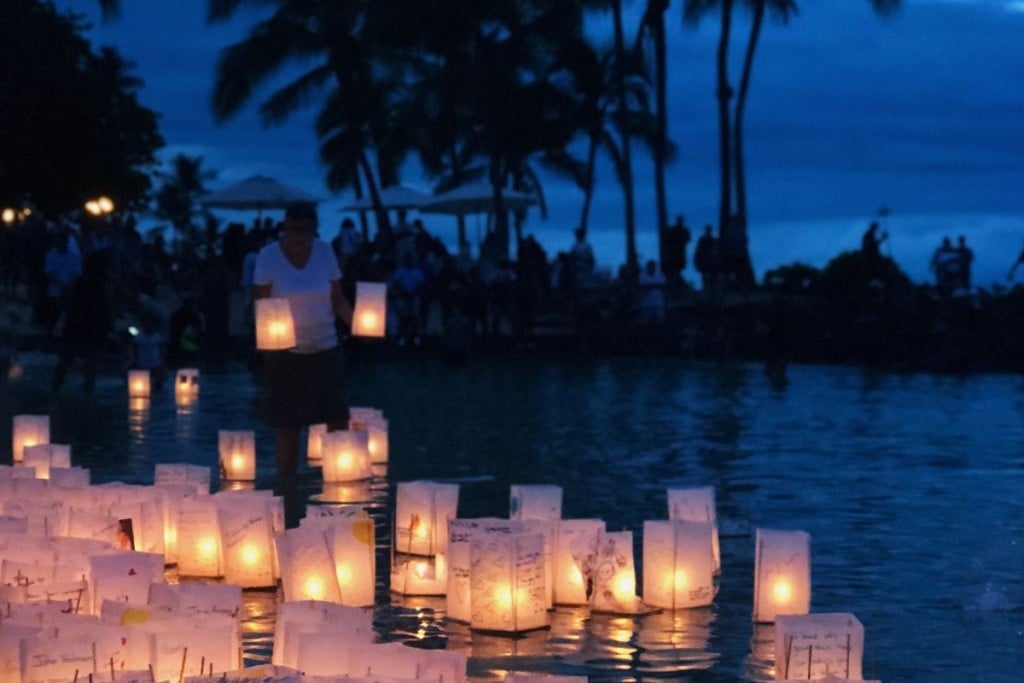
(100, 206)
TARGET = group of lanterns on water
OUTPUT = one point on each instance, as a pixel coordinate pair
(84, 596)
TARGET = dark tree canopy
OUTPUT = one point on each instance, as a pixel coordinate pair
(70, 121)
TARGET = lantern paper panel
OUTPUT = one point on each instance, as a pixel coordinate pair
(307, 569)
(507, 582)
(45, 456)
(237, 450)
(180, 473)
(186, 382)
(113, 647)
(314, 447)
(69, 477)
(308, 616)
(697, 504)
(196, 599)
(11, 525)
(247, 544)
(97, 525)
(782, 574)
(813, 645)
(360, 416)
(535, 501)
(11, 637)
(353, 549)
(412, 575)
(28, 430)
(547, 529)
(377, 441)
(459, 559)
(48, 658)
(124, 576)
(198, 538)
(138, 384)
(346, 456)
(370, 314)
(422, 511)
(184, 643)
(608, 568)
(275, 327)
(574, 539)
(678, 564)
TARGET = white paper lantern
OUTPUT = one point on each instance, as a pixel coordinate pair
(45, 456)
(507, 582)
(345, 456)
(419, 575)
(275, 328)
(782, 574)
(352, 544)
(377, 441)
(28, 430)
(370, 314)
(814, 645)
(678, 564)
(573, 540)
(610, 571)
(308, 616)
(184, 644)
(186, 383)
(535, 501)
(124, 576)
(196, 476)
(697, 504)
(307, 568)
(198, 538)
(247, 544)
(138, 384)
(237, 451)
(459, 558)
(422, 511)
(314, 447)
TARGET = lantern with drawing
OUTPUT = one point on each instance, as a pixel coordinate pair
(275, 328)
(422, 511)
(782, 574)
(573, 539)
(678, 564)
(28, 430)
(345, 456)
(237, 455)
(697, 505)
(138, 384)
(609, 569)
(369, 319)
(506, 580)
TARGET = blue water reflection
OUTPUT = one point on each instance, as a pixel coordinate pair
(911, 486)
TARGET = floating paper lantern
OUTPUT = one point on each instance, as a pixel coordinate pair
(811, 646)
(186, 385)
(296, 621)
(782, 574)
(535, 501)
(697, 505)
(237, 455)
(572, 540)
(507, 582)
(377, 440)
(422, 511)
(275, 328)
(138, 384)
(345, 456)
(419, 575)
(247, 543)
(459, 559)
(352, 544)
(609, 570)
(314, 447)
(45, 456)
(198, 539)
(196, 476)
(370, 314)
(307, 568)
(28, 430)
(678, 564)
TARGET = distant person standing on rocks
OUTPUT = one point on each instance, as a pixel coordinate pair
(303, 385)
(871, 242)
(965, 255)
(705, 257)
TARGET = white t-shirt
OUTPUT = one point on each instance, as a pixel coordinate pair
(308, 292)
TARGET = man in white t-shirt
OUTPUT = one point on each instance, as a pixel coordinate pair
(303, 385)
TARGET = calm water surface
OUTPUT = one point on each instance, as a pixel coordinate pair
(911, 486)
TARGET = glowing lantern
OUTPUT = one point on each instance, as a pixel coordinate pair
(247, 543)
(196, 476)
(507, 582)
(138, 384)
(537, 501)
(237, 455)
(811, 646)
(124, 576)
(419, 575)
(572, 538)
(186, 385)
(678, 564)
(275, 328)
(697, 505)
(782, 574)
(314, 447)
(307, 569)
(422, 511)
(198, 538)
(377, 441)
(610, 572)
(460, 534)
(45, 456)
(370, 314)
(298, 620)
(345, 456)
(352, 544)
(28, 430)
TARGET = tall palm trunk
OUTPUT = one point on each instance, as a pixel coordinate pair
(724, 94)
(500, 214)
(656, 21)
(383, 222)
(627, 163)
(588, 191)
(745, 274)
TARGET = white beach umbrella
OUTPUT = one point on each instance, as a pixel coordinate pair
(257, 193)
(394, 197)
(475, 197)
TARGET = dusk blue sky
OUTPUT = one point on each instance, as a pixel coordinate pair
(922, 112)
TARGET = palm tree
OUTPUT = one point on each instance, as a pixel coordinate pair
(177, 198)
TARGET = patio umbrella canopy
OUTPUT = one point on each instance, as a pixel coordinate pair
(257, 193)
(394, 197)
(475, 198)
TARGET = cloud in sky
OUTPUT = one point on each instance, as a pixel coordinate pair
(848, 111)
